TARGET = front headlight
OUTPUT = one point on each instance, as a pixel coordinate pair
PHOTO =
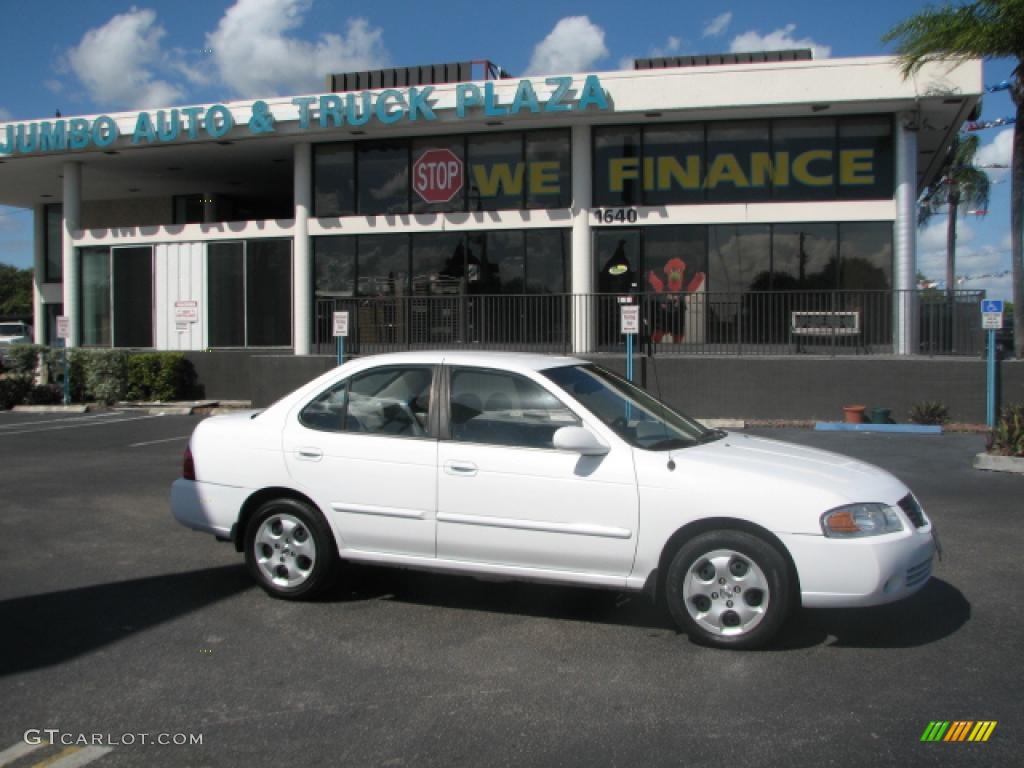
(856, 520)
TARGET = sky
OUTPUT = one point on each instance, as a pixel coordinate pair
(101, 55)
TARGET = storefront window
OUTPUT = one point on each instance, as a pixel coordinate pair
(804, 257)
(133, 296)
(803, 159)
(334, 180)
(618, 257)
(497, 173)
(865, 255)
(739, 257)
(225, 274)
(268, 293)
(439, 263)
(617, 166)
(676, 259)
(674, 164)
(96, 330)
(547, 261)
(548, 182)
(383, 265)
(334, 260)
(731, 175)
(383, 177)
(865, 158)
(54, 243)
(505, 270)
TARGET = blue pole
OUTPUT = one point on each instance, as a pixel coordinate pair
(990, 399)
(67, 381)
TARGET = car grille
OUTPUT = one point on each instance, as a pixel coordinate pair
(909, 505)
(918, 573)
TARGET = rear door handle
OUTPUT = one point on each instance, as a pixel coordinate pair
(460, 468)
(310, 454)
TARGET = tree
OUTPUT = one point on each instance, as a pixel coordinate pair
(15, 291)
(987, 29)
(962, 183)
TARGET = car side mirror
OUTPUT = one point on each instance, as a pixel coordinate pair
(579, 440)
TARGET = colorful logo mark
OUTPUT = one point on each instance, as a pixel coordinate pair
(958, 730)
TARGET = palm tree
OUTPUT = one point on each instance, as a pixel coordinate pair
(962, 183)
(987, 29)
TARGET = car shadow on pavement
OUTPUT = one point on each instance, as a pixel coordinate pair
(934, 613)
(571, 603)
(42, 630)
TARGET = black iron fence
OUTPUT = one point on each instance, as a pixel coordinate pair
(704, 323)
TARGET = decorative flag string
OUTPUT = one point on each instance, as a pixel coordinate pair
(980, 125)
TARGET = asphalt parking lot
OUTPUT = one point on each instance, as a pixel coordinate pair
(116, 620)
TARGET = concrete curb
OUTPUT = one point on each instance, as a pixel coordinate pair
(915, 429)
(51, 409)
(723, 423)
(990, 463)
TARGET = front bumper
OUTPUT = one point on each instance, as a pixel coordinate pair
(845, 573)
(207, 507)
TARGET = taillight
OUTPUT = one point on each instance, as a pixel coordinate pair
(188, 470)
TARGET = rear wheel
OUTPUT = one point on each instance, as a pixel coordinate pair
(729, 589)
(289, 549)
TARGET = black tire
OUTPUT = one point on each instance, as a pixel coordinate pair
(748, 609)
(298, 525)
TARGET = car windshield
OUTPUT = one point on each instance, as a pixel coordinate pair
(11, 329)
(629, 411)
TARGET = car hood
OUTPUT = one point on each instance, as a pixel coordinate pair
(775, 463)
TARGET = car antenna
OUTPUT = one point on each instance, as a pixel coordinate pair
(657, 385)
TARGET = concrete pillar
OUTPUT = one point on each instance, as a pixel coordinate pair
(905, 311)
(72, 278)
(38, 273)
(302, 255)
(582, 271)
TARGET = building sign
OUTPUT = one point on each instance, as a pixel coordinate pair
(186, 311)
(332, 110)
(437, 175)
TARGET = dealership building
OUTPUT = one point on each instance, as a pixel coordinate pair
(749, 202)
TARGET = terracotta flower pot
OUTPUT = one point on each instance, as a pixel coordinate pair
(854, 414)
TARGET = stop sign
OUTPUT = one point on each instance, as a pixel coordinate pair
(437, 175)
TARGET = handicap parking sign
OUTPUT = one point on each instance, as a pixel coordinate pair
(992, 305)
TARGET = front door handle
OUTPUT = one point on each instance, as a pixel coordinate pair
(460, 468)
(310, 454)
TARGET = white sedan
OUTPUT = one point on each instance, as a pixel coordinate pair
(550, 469)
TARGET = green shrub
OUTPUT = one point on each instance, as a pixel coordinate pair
(1007, 439)
(159, 376)
(929, 412)
(13, 390)
(44, 394)
(23, 359)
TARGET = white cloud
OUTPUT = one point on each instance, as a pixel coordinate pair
(573, 45)
(255, 55)
(717, 25)
(671, 48)
(997, 152)
(781, 39)
(115, 62)
(53, 85)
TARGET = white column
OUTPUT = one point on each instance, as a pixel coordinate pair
(905, 333)
(72, 222)
(582, 243)
(38, 273)
(302, 258)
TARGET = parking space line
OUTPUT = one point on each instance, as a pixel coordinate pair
(18, 751)
(74, 757)
(76, 426)
(155, 442)
(87, 417)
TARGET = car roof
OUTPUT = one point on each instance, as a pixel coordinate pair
(483, 359)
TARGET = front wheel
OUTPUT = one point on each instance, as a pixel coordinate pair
(729, 589)
(289, 549)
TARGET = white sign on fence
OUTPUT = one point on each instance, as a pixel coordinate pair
(63, 326)
(630, 317)
(341, 323)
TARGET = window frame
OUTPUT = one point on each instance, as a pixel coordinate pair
(445, 433)
(433, 409)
